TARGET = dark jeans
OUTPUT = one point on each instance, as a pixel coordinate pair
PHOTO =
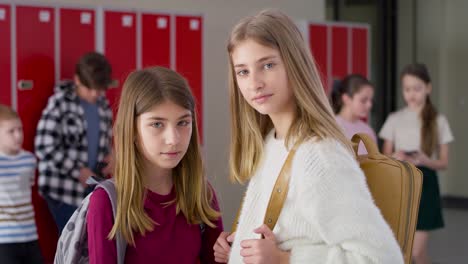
(61, 212)
(19, 253)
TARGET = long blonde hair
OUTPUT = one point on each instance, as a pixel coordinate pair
(314, 116)
(142, 90)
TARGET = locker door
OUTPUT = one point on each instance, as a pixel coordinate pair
(120, 49)
(76, 38)
(339, 52)
(318, 42)
(156, 40)
(189, 50)
(5, 55)
(360, 51)
(35, 82)
(35, 65)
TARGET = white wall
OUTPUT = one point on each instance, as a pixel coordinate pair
(219, 17)
(437, 35)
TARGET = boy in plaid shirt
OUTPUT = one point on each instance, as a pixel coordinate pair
(73, 136)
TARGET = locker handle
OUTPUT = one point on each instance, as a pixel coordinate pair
(114, 84)
(25, 84)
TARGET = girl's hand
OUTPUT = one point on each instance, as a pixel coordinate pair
(260, 251)
(400, 155)
(85, 173)
(222, 247)
(420, 159)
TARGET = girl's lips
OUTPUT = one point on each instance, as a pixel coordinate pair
(262, 98)
(171, 154)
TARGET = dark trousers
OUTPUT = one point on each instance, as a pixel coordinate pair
(21, 253)
(61, 212)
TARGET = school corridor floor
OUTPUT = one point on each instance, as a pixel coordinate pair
(450, 244)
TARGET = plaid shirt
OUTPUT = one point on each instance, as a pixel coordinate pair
(61, 144)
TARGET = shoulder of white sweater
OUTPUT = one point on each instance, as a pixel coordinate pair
(328, 152)
(325, 156)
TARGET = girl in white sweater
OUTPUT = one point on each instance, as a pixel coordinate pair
(277, 100)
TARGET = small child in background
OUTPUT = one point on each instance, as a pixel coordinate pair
(18, 235)
(351, 99)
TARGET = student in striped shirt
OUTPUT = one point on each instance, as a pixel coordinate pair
(18, 235)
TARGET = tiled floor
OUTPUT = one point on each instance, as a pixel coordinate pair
(450, 244)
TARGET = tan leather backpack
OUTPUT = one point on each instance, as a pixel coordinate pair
(396, 188)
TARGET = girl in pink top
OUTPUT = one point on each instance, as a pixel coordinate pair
(166, 210)
(352, 101)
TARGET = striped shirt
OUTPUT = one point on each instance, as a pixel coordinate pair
(16, 211)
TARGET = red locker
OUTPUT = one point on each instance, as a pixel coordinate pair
(360, 40)
(5, 55)
(156, 40)
(35, 64)
(77, 37)
(318, 42)
(339, 51)
(120, 49)
(189, 54)
(35, 82)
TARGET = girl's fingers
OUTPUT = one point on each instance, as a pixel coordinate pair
(222, 241)
(218, 248)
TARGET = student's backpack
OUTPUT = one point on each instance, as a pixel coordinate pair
(396, 188)
(72, 247)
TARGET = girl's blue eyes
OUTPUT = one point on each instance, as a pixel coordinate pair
(241, 73)
(268, 66)
(184, 123)
(180, 123)
(157, 124)
(265, 66)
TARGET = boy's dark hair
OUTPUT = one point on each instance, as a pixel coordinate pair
(7, 113)
(94, 71)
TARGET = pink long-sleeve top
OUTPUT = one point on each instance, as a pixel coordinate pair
(172, 241)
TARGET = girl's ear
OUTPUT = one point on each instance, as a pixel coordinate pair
(429, 89)
(346, 99)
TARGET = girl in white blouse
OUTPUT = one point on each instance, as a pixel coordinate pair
(420, 135)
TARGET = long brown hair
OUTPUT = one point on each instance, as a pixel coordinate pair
(314, 116)
(429, 132)
(142, 90)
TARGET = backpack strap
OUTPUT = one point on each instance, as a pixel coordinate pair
(278, 194)
(121, 243)
(371, 146)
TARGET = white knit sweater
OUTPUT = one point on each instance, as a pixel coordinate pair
(328, 215)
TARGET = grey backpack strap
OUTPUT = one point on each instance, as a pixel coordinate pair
(121, 243)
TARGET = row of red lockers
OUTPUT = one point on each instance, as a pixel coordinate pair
(39, 45)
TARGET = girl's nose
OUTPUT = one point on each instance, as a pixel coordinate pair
(172, 136)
